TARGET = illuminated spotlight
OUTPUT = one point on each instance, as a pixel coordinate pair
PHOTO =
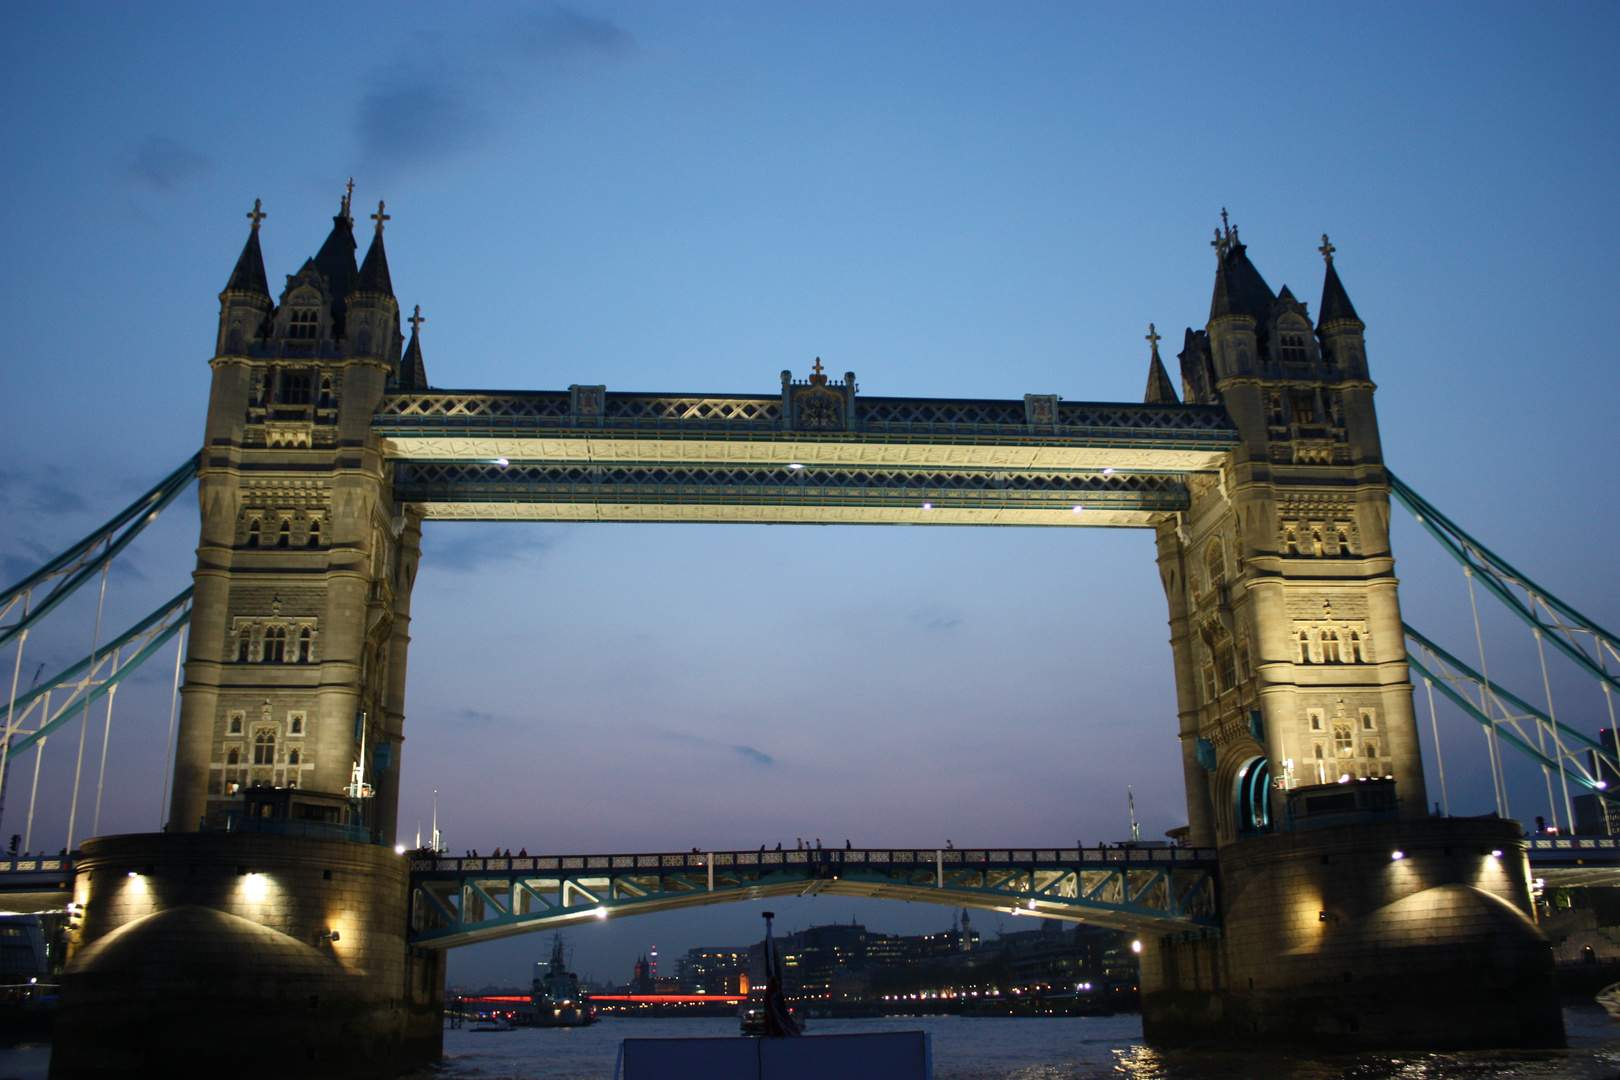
(1601, 784)
(1108, 471)
(1496, 853)
(928, 506)
(1032, 903)
(601, 913)
(502, 462)
(399, 849)
(1079, 509)
(796, 465)
(255, 886)
(1397, 856)
(133, 874)
(1136, 946)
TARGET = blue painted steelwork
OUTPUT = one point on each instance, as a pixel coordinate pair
(460, 901)
(80, 563)
(1573, 634)
(1444, 671)
(669, 484)
(896, 420)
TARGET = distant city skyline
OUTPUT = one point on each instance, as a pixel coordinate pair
(962, 200)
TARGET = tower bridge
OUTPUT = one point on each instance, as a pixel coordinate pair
(1299, 907)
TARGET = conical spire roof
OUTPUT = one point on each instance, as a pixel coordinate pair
(249, 276)
(335, 260)
(373, 276)
(1336, 306)
(412, 374)
(1160, 390)
(374, 271)
(1239, 288)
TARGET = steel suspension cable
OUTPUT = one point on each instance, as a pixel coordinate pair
(84, 728)
(1563, 777)
(11, 703)
(77, 572)
(1497, 779)
(1434, 723)
(106, 734)
(168, 746)
(33, 793)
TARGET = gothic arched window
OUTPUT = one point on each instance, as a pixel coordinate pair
(304, 644)
(326, 392)
(297, 725)
(314, 538)
(264, 747)
(233, 756)
(1343, 742)
(1215, 563)
(284, 534)
(292, 756)
(1354, 650)
(253, 533)
(244, 646)
(1303, 641)
(1330, 646)
(275, 645)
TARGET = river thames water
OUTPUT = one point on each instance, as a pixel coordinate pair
(966, 1048)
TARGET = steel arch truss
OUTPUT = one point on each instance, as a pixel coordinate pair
(1156, 890)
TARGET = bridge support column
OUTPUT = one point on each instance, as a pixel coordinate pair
(260, 956)
(1329, 940)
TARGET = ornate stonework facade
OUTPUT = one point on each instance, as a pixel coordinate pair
(299, 630)
(1284, 619)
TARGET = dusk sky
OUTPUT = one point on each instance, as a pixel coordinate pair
(949, 199)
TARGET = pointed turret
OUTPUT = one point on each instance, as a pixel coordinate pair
(1160, 390)
(373, 313)
(1238, 307)
(335, 261)
(412, 374)
(249, 276)
(1338, 327)
(373, 276)
(245, 304)
(1336, 306)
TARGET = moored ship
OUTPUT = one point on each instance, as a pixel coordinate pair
(559, 1000)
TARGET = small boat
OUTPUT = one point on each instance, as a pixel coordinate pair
(1609, 998)
(491, 1022)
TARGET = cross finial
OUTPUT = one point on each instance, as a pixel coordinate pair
(348, 194)
(1327, 250)
(818, 369)
(1153, 338)
(1224, 223)
(379, 217)
(416, 319)
(257, 215)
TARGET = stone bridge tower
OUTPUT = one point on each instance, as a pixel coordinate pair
(1290, 659)
(295, 673)
(1349, 913)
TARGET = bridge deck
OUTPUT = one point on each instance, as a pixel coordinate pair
(459, 901)
(651, 457)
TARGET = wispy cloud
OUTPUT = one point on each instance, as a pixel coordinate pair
(418, 121)
(562, 33)
(163, 164)
(458, 95)
(46, 491)
(748, 753)
(935, 619)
